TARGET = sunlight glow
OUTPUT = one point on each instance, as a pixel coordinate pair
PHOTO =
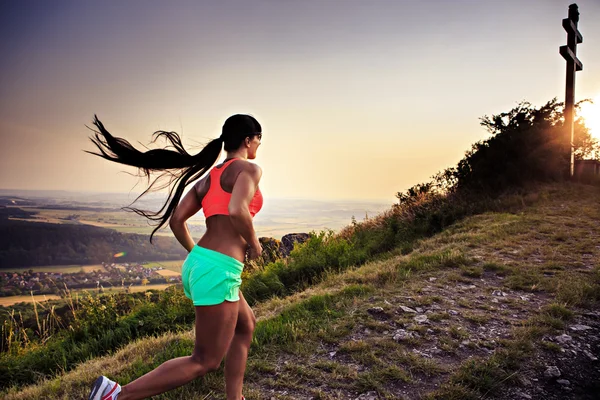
(591, 114)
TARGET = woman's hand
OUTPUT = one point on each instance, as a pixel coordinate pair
(254, 252)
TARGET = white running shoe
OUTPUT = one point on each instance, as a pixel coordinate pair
(104, 389)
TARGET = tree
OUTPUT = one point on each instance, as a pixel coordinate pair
(528, 144)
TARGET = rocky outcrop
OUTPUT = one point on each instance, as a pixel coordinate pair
(274, 249)
(287, 242)
(271, 249)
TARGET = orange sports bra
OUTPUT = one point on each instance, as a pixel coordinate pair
(216, 200)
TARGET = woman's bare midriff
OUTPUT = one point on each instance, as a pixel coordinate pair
(221, 236)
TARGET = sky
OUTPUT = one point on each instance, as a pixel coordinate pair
(357, 99)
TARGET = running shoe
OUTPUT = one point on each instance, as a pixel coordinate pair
(104, 389)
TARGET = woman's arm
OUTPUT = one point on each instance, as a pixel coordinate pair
(188, 206)
(243, 191)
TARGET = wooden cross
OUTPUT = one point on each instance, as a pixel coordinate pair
(569, 53)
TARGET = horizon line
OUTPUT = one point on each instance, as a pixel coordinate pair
(326, 199)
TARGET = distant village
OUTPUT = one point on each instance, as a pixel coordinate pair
(110, 276)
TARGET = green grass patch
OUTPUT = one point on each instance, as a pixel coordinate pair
(551, 346)
(498, 269)
(472, 271)
(479, 319)
(524, 279)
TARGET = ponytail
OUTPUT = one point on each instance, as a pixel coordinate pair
(178, 165)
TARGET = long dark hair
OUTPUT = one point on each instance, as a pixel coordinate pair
(180, 167)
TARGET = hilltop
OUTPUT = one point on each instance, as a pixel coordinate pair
(482, 309)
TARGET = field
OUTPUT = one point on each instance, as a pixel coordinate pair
(170, 265)
(282, 216)
(168, 272)
(119, 221)
(135, 289)
(65, 269)
(9, 301)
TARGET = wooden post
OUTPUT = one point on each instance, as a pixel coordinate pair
(569, 53)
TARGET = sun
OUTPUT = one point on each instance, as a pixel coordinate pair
(591, 114)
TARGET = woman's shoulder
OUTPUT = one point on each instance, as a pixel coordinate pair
(250, 167)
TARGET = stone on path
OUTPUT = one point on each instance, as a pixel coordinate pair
(368, 396)
(579, 328)
(408, 309)
(552, 372)
(563, 338)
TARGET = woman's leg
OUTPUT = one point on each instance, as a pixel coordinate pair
(215, 326)
(235, 360)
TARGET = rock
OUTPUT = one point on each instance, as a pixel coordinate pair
(590, 355)
(552, 372)
(579, 328)
(432, 279)
(419, 310)
(523, 395)
(563, 338)
(593, 314)
(452, 312)
(422, 354)
(375, 310)
(408, 309)
(368, 396)
(494, 300)
(421, 319)
(498, 293)
(332, 354)
(563, 382)
(402, 335)
(271, 249)
(287, 242)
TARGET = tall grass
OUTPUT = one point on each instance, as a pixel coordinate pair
(99, 325)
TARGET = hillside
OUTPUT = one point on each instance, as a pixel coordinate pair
(480, 310)
(24, 244)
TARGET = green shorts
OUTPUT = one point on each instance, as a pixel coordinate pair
(210, 277)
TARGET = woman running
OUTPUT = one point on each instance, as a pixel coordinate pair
(211, 273)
